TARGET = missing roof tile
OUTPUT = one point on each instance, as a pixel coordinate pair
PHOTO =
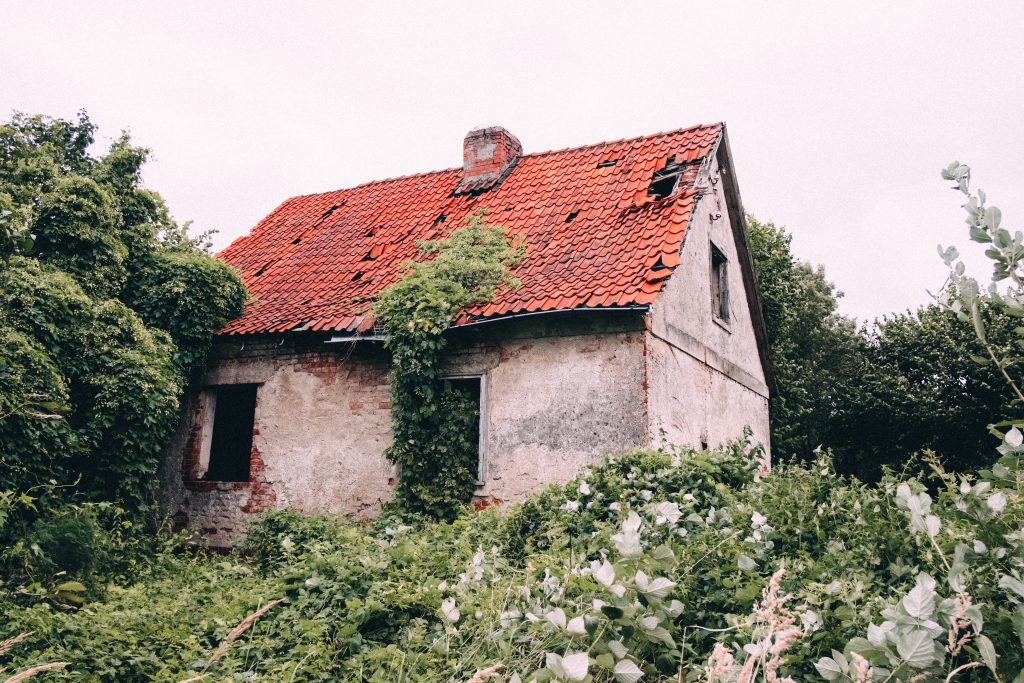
(369, 256)
(665, 180)
(572, 216)
(357, 276)
(297, 240)
(440, 219)
(608, 164)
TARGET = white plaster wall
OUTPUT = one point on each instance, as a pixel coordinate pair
(555, 405)
(706, 380)
(323, 421)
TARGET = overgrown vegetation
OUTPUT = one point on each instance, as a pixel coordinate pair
(876, 394)
(641, 566)
(652, 566)
(107, 309)
(432, 439)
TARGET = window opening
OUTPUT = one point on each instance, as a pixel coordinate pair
(231, 443)
(473, 388)
(719, 284)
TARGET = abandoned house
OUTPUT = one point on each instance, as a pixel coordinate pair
(637, 323)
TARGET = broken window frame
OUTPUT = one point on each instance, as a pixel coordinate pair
(209, 424)
(719, 263)
(481, 466)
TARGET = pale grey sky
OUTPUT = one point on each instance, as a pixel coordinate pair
(840, 114)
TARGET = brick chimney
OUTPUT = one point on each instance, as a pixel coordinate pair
(489, 155)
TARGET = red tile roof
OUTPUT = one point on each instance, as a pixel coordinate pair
(317, 261)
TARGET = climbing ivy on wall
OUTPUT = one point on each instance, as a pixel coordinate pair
(432, 443)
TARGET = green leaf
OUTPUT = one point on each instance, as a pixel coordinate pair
(916, 648)
(828, 668)
(988, 652)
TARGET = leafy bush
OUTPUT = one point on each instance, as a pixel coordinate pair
(650, 564)
(106, 311)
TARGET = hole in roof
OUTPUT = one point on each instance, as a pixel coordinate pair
(357, 276)
(571, 216)
(659, 265)
(296, 240)
(440, 219)
(331, 210)
(666, 179)
(369, 257)
(370, 233)
(608, 164)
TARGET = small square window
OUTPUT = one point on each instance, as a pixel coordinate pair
(719, 284)
(234, 413)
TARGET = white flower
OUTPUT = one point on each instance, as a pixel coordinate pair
(628, 542)
(615, 506)
(689, 497)
(980, 548)
(571, 667)
(449, 610)
(576, 627)
(584, 488)
(572, 506)
(810, 621)
(656, 588)
(556, 617)
(618, 590)
(668, 512)
(996, 502)
(758, 520)
(603, 573)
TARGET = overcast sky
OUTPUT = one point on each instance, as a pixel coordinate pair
(840, 119)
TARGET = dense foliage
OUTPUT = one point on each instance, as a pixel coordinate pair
(875, 395)
(432, 443)
(647, 565)
(107, 308)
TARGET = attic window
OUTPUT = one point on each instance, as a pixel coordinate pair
(665, 180)
(719, 285)
(571, 216)
(232, 408)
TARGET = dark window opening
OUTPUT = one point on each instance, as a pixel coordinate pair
(719, 284)
(231, 445)
(572, 216)
(471, 387)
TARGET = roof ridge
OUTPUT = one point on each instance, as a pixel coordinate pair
(564, 150)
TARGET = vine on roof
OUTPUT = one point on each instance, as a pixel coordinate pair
(433, 447)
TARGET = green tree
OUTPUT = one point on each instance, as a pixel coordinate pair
(817, 354)
(106, 312)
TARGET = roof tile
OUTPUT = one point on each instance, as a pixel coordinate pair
(317, 260)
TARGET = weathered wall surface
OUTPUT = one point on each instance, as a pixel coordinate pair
(558, 395)
(556, 403)
(706, 379)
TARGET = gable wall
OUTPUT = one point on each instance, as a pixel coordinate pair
(705, 380)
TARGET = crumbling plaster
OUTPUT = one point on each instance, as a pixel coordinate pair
(561, 393)
(706, 380)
